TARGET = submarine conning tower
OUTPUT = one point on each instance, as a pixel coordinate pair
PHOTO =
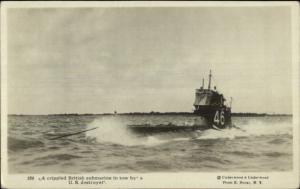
(210, 104)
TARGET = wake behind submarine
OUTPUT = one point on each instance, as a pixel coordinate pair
(209, 105)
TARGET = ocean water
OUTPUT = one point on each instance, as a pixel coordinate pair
(258, 144)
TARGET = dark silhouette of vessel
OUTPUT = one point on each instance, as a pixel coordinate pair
(210, 104)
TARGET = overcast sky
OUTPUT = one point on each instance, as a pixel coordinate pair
(97, 60)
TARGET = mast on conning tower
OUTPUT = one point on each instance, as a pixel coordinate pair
(202, 83)
(209, 80)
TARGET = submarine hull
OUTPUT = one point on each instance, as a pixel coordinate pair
(215, 115)
(144, 129)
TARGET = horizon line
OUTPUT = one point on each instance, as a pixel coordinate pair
(151, 113)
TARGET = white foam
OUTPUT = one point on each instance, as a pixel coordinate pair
(251, 128)
(113, 130)
(258, 128)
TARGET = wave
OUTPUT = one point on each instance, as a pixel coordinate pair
(59, 157)
(276, 154)
(253, 128)
(114, 130)
(15, 144)
(244, 153)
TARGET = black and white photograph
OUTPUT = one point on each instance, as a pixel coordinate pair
(160, 89)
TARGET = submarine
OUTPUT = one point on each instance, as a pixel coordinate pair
(209, 105)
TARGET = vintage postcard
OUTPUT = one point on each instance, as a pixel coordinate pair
(149, 94)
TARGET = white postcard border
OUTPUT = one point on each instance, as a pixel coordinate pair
(153, 180)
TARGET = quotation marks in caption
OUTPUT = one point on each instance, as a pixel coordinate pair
(85, 180)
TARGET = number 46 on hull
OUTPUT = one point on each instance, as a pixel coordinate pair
(210, 104)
